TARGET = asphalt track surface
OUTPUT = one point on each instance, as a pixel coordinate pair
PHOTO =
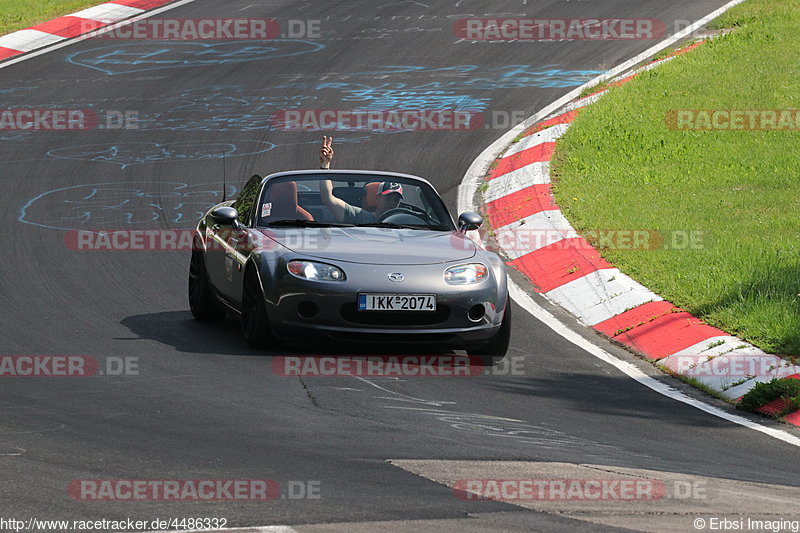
(204, 405)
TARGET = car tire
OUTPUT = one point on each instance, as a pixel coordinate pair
(202, 301)
(255, 322)
(496, 349)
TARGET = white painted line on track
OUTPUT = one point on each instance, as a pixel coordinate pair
(583, 102)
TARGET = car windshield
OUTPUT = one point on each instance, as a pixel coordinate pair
(337, 199)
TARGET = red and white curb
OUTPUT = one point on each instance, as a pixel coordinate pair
(73, 25)
(565, 268)
(569, 272)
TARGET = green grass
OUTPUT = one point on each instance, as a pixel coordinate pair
(620, 167)
(19, 14)
(764, 393)
(597, 87)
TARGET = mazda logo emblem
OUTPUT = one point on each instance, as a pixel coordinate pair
(396, 276)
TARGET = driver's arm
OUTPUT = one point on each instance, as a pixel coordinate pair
(334, 204)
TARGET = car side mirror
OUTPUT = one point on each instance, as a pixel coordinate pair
(225, 216)
(468, 221)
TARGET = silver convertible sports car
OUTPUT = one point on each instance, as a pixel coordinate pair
(349, 255)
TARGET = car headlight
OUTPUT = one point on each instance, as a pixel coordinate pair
(466, 274)
(315, 271)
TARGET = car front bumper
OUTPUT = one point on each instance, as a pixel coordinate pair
(301, 308)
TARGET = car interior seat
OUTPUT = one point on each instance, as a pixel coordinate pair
(283, 197)
(370, 200)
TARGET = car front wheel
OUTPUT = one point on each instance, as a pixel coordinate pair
(255, 323)
(201, 297)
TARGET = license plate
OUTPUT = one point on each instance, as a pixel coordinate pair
(396, 302)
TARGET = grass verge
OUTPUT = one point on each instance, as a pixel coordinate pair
(736, 193)
(19, 14)
(763, 393)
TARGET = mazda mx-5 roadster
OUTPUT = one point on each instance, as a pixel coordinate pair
(357, 256)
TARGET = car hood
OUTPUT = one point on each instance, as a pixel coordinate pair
(377, 246)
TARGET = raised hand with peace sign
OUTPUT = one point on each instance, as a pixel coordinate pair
(326, 153)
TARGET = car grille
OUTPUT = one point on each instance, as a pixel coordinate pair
(350, 313)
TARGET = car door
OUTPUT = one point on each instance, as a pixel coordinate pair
(231, 245)
(217, 250)
(237, 249)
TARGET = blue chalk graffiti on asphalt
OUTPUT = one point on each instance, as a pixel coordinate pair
(5, 103)
(221, 108)
(399, 96)
(477, 77)
(126, 154)
(454, 89)
(11, 90)
(230, 98)
(15, 135)
(234, 108)
(117, 205)
(109, 206)
(140, 57)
